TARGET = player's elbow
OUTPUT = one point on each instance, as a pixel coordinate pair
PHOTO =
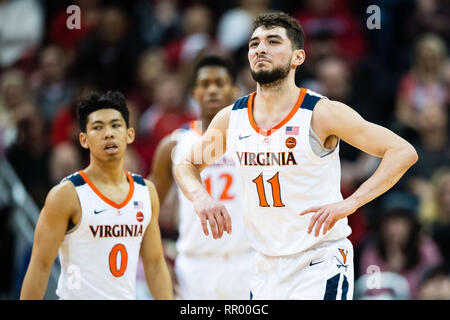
(410, 154)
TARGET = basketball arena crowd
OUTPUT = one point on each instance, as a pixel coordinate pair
(396, 75)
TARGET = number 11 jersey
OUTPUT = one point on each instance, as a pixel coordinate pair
(281, 176)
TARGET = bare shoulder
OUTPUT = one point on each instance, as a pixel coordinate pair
(329, 117)
(63, 199)
(150, 186)
(222, 118)
(168, 142)
(153, 192)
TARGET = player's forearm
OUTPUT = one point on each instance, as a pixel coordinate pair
(188, 178)
(35, 283)
(159, 281)
(394, 164)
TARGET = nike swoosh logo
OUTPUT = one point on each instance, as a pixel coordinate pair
(243, 137)
(100, 211)
(312, 264)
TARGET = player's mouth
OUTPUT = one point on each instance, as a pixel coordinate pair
(213, 102)
(262, 60)
(111, 148)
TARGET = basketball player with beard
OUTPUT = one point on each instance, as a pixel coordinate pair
(285, 141)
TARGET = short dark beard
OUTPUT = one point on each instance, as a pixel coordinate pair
(267, 77)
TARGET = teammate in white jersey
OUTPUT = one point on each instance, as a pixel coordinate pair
(295, 216)
(100, 218)
(206, 268)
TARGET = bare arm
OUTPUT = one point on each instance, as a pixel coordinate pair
(187, 173)
(152, 254)
(335, 118)
(161, 172)
(61, 204)
(162, 178)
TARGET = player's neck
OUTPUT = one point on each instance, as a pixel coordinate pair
(205, 123)
(276, 97)
(107, 173)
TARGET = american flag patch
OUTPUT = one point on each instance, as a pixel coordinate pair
(138, 205)
(292, 131)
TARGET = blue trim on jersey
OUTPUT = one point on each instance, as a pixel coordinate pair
(310, 101)
(240, 103)
(344, 288)
(76, 179)
(332, 286)
(185, 126)
(138, 179)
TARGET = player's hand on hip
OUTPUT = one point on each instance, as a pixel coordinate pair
(214, 212)
(327, 215)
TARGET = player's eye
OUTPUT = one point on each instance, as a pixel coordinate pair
(253, 44)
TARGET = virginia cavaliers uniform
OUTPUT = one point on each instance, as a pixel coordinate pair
(281, 176)
(99, 256)
(208, 268)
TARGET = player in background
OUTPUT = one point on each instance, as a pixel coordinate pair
(100, 219)
(206, 268)
(285, 140)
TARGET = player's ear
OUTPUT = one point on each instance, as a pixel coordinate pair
(130, 135)
(298, 57)
(83, 140)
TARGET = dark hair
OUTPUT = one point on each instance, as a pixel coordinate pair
(412, 248)
(294, 30)
(95, 101)
(213, 61)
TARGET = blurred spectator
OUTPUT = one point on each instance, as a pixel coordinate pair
(435, 283)
(428, 16)
(197, 35)
(65, 159)
(235, 25)
(152, 64)
(50, 83)
(109, 54)
(167, 113)
(331, 19)
(381, 286)
(69, 39)
(423, 86)
(14, 97)
(21, 30)
(436, 212)
(433, 143)
(30, 154)
(399, 246)
(158, 21)
(64, 127)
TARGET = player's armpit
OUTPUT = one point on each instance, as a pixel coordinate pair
(61, 205)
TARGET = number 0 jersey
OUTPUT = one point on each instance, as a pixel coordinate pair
(99, 257)
(281, 176)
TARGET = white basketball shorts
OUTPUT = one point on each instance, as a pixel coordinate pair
(213, 277)
(322, 273)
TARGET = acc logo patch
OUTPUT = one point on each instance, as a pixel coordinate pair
(291, 142)
(140, 216)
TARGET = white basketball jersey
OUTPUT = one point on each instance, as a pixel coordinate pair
(222, 181)
(281, 176)
(99, 257)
